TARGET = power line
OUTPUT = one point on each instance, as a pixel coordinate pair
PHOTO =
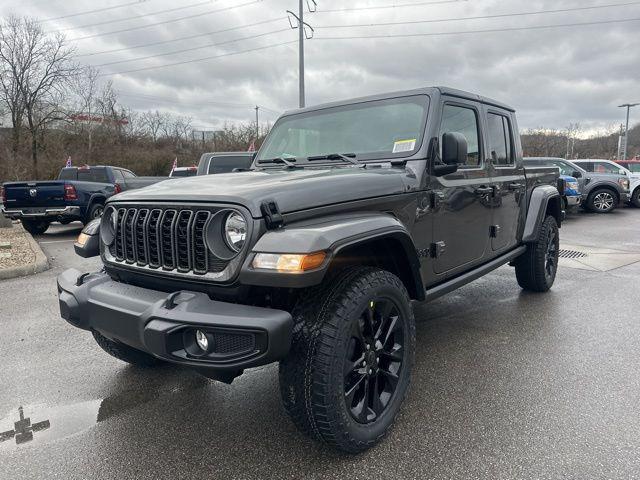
(491, 30)
(501, 15)
(213, 103)
(382, 7)
(195, 60)
(191, 49)
(149, 25)
(133, 17)
(97, 10)
(163, 42)
(199, 104)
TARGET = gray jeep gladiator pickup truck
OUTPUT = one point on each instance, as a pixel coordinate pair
(351, 210)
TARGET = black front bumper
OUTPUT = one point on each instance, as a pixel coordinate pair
(164, 325)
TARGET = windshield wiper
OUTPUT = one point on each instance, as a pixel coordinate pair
(285, 161)
(347, 157)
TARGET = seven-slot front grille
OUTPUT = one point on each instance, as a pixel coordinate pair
(171, 239)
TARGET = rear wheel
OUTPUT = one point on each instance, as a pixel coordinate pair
(35, 227)
(125, 353)
(350, 364)
(602, 200)
(95, 211)
(635, 197)
(536, 268)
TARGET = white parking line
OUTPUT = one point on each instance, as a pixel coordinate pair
(58, 241)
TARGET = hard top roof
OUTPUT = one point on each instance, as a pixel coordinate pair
(404, 93)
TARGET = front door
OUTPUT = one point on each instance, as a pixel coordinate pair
(462, 208)
(507, 180)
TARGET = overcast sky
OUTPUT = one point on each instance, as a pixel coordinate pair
(552, 76)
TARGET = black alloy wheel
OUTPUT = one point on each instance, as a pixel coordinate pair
(551, 254)
(374, 360)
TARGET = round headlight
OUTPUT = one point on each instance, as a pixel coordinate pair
(235, 231)
(108, 223)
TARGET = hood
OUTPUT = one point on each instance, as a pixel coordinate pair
(293, 190)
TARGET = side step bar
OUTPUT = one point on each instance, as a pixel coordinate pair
(450, 285)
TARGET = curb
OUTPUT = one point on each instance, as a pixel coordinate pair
(40, 265)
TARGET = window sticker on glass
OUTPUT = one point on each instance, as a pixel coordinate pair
(404, 145)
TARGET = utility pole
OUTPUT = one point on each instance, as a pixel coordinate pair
(301, 52)
(257, 124)
(628, 106)
(300, 24)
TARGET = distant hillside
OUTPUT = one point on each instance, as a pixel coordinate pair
(544, 143)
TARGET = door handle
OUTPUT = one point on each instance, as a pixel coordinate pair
(515, 186)
(481, 191)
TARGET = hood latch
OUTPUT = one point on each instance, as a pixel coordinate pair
(272, 214)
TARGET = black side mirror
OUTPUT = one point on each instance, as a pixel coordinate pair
(576, 174)
(454, 148)
(88, 243)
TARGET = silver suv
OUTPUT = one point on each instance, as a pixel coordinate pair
(602, 192)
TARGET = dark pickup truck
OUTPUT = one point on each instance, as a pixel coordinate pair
(79, 193)
(351, 211)
(224, 162)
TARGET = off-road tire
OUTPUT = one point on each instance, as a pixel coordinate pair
(311, 376)
(590, 204)
(635, 198)
(532, 266)
(125, 353)
(35, 227)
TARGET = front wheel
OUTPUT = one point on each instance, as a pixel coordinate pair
(635, 198)
(349, 368)
(536, 268)
(602, 200)
(35, 227)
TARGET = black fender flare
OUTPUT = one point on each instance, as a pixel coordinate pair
(539, 201)
(332, 235)
(95, 198)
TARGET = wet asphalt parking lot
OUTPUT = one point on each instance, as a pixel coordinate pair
(506, 385)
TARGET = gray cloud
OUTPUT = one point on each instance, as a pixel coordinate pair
(551, 76)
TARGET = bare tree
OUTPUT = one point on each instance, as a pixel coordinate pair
(13, 67)
(40, 67)
(85, 87)
(153, 123)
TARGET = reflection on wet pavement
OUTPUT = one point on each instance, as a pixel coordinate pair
(23, 429)
(66, 420)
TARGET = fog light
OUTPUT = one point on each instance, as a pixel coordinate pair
(202, 340)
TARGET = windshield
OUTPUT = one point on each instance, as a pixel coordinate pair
(565, 168)
(379, 129)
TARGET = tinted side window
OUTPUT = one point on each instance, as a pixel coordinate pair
(226, 164)
(465, 121)
(588, 166)
(604, 167)
(93, 175)
(499, 137)
(68, 174)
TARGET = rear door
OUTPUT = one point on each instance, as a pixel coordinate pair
(507, 179)
(462, 212)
